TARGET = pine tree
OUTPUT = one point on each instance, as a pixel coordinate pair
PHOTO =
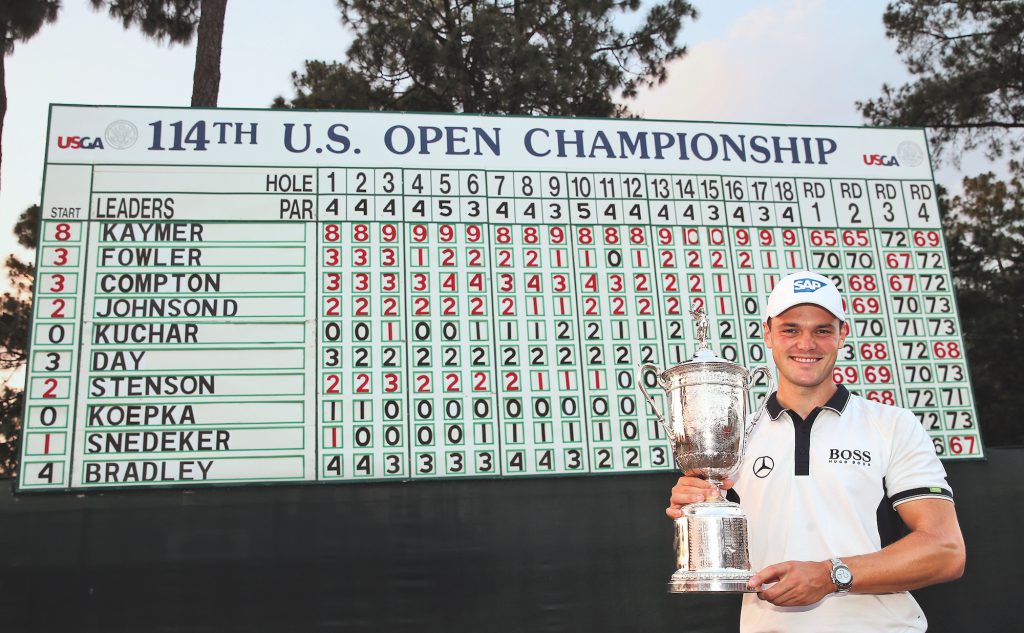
(985, 231)
(178, 21)
(561, 57)
(966, 58)
(14, 326)
(19, 21)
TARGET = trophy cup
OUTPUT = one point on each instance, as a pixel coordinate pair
(707, 429)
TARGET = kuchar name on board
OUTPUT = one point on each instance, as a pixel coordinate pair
(109, 333)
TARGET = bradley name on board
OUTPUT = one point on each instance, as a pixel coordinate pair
(135, 472)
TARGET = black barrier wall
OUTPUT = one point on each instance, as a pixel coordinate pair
(563, 554)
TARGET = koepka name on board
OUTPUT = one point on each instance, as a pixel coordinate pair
(141, 414)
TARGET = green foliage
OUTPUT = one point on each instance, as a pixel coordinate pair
(985, 231)
(967, 58)
(15, 314)
(21, 19)
(561, 57)
(175, 20)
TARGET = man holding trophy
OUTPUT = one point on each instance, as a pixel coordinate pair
(818, 478)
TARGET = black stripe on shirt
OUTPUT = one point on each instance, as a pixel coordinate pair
(935, 492)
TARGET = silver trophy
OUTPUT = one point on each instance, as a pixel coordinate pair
(708, 429)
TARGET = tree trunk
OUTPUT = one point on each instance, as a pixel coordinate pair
(206, 79)
(3, 97)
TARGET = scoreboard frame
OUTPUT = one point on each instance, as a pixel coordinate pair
(479, 283)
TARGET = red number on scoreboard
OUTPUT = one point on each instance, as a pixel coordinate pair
(946, 350)
(926, 238)
(885, 397)
(844, 374)
(863, 283)
(866, 304)
(877, 374)
(874, 351)
(959, 445)
(823, 238)
(856, 238)
(901, 283)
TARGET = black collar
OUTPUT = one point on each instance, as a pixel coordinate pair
(837, 402)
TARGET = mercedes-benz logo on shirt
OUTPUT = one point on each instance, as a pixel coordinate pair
(763, 466)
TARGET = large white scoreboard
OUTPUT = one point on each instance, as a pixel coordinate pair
(233, 296)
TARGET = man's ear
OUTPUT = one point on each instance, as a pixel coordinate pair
(844, 331)
(765, 327)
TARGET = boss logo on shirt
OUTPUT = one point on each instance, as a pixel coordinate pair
(856, 457)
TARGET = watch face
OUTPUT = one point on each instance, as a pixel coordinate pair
(843, 576)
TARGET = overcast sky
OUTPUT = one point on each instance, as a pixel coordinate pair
(772, 61)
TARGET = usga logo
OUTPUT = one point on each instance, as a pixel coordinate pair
(79, 142)
(880, 160)
(807, 285)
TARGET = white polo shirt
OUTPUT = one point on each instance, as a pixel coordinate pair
(827, 487)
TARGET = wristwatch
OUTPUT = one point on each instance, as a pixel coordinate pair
(841, 576)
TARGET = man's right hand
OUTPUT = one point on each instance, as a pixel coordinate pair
(691, 488)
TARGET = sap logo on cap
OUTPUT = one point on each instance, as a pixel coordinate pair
(807, 285)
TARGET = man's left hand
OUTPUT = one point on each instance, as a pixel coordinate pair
(797, 583)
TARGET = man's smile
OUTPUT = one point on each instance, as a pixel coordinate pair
(805, 359)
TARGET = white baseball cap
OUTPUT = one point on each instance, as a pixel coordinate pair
(804, 287)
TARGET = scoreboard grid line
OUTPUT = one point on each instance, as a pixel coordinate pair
(76, 398)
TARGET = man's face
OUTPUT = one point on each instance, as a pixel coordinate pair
(805, 342)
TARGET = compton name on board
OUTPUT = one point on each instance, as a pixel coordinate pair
(460, 140)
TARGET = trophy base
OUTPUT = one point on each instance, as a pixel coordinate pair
(689, 582)
(711, 550)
